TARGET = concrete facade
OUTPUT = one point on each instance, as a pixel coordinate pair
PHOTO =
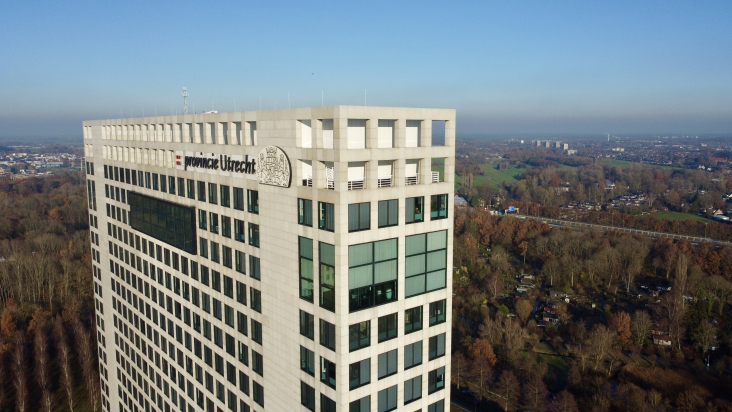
(137, 373)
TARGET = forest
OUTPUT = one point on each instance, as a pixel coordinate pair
(597, 322)
(587, 190)
(48, 353)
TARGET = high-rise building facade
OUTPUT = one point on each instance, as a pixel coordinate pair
(277, 260)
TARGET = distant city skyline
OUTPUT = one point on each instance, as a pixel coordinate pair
(561, 67)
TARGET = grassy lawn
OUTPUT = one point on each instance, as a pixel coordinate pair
(668, 215)
(560, 366)
(496, 177)
(625, 163)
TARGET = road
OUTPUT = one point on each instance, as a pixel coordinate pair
(591, 226)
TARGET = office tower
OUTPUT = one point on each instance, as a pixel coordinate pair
(278, 260)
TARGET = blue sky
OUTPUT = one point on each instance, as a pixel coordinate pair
(507, 67)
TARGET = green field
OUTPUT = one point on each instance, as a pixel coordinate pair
(668, 215)
(625, 163)
(496, 177)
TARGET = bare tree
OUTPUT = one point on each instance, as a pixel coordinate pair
(640, 326)
(64, 361)
(86, 352)
(459, 369)
(506, 392)
(565, 402)
(600, 342)
(534, 393)
(495, 285)
(704, 336)
(19, 365)
(42, 362)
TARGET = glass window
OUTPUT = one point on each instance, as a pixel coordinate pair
(307, 396)
(306, 268)
(241, 293)
(414, 210)
(387, 363)
(359, 216)
(307, 325)
(412, 389)
(253, 201)
(238, 198)
(202, 220)
(215, 257)
(387, 399)
(190, 185)
(225, 196)
(254, 235)
(327, 404)
(326, 216)
(327, 276)
(228, 287)
(413, 355)
(212, 194)
(181, 186)
(388, 327)
(437, 312)
(307, 361)
(154, 180)
(254, 265)
(305, 212)
(438, 406)
(436, 380)
(147, 180)
(255, 299)
(241, 323)
(163, 184)
(438, 208)
(201, 191)
(328, 372)
(413, 320)
(256, 331)
(360, 405)
(168, 222)
(257, 363)
(359, 373)
(258, 393)
(388, 213)
(327, 335)
(372, 274)
(437, 346)
(226, 256)
(171, 185)
(225, 226)
(426, 262)
(239, 231)
(240, 261)
(213, 220)
(359, 335)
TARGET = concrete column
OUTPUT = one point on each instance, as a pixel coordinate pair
(425, 171)
(340, 134)
(450, 171)
(426, 133)
(319, 175)
(316, 127)
(245, 133)
(399, 172)
(400, 133)
(372, 134)
(371, 174)
(449, 133)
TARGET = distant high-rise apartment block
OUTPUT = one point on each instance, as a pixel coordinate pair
(278, 260)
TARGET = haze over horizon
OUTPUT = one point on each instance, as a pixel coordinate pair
(569, 67)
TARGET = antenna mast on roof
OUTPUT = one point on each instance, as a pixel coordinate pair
(185, 100)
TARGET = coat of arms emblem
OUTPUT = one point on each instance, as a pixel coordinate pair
(273, 167)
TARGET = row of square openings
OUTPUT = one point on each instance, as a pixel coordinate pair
(385, 173)
(205, 133)
(386, 133)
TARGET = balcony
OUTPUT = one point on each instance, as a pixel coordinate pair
(308, 181)
(329, 182)
(411, 180)
(384, 182)
(355, 185)
(436, 177)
